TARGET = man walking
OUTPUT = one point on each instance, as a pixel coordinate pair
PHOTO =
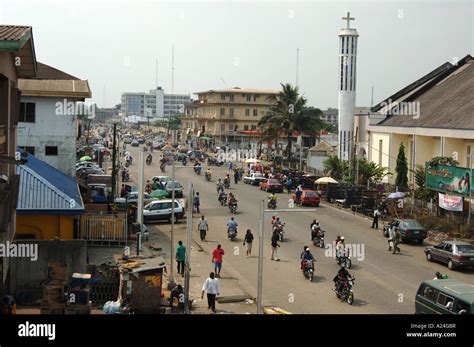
(211, 286)
(375, 223)
(289, 184)
(181, 257)
(396, 240)
(203, 227)
(217, 257)
(275, 245)
(197, 203)
(248, 239)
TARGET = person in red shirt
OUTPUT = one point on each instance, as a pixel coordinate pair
(217, 255)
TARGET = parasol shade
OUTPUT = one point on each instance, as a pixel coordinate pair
(325, 180)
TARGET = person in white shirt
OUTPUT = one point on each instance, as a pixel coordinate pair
(211, 286)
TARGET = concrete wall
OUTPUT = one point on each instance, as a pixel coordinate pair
(27, 275)
(50, 129)
(374, 150)
(46, 227)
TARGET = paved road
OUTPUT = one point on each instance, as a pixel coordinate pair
(385, 283)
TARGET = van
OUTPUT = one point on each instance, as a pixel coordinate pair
(444, 296)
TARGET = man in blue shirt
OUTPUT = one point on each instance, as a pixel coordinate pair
(232, 224)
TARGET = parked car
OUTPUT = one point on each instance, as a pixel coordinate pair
(178, 189)
(161, 178)
(254, 179)
(444, 296)
(141, 140)
(309, 198)
(135, 143)
(271, 185)
(82, 172)
(455, 254)
(161, 210)
(133, 199)
(84, 164)
(127, 140)
(410, 230)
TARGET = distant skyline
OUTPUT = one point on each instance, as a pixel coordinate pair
(249, 44)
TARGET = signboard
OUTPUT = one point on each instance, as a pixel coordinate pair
(450, 202)
(448, 179)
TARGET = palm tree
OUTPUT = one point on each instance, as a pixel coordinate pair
(289, 114)
(336, 167)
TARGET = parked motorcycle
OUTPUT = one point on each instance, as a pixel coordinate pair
(346, 293)
(232, 233)
(308, 269)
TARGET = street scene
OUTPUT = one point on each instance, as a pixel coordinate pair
(186, 163)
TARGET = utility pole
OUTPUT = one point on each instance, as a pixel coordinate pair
(114, 160)
(171, 282)
(189, 242)
(141, 169)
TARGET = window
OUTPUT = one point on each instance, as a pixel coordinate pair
(255, 97)
(430, 293)
(255, 112)
(30, 150)
(222, 111)
(222, 96)
(27, 112)
(231, 97)
(468, 157)
(380, 151)
(247, 112)
(51, 150)
(445, 301)
(249, 97)
(254, 127)
(236, 127)
(231, 127)
(222, 127)
(231, 113)
(246, 127)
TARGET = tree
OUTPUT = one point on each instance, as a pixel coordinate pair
(336, 167)
(369, 170)
(421, 193)
(401, 169)
(174, 123)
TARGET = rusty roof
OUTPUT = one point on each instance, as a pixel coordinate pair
(13, 32)
(46, 72)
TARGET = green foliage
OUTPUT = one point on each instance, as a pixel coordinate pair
(444, 161)
(371, 171)
(401, 169)
(336, 167)
(421, 193)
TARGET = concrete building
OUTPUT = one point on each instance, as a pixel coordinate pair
(433, 116)
(347, 88)
(17, 60)
(154, 104)
(330, 116)
(48, 124)
(228, 116)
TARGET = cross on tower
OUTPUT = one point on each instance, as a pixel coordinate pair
(348, 18)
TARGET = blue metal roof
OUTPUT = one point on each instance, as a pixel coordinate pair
(46, 190)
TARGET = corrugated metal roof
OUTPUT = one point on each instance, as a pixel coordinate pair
(60, 88)
(43, 188)
(46, 72)
(13, 32)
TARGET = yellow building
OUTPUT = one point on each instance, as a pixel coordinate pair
(49, 202)
(227, 115)
(433, 116)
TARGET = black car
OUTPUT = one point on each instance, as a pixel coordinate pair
(178, 189)
(410, 230)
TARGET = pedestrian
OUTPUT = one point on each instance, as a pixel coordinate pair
(248, 239)
(375, 222)
(217, 257)
(181, 257)
(211, 286)
(391, 229)
(275, 245)
(203, 227)
(230, 166)
(123, 191)
(236, 176)
(396, 240)
(196, 203)
(178, 293)
(289, 184)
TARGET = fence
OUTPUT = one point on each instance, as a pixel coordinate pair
(104, 229)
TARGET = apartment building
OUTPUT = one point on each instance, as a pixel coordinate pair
(228, 116)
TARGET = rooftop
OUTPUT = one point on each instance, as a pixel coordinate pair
(18, 40)
(241, 90)
(44, 189)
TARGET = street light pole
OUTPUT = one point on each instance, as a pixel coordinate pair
(260, 256)
(171, 280)
(189, 241)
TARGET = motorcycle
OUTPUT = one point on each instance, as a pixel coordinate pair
(220, 188)
(281, 233)
(226, 184)
(223, 199)
(233, 208)
(271, 204)
(344, 261)
(308, 269)
(208, 177)
(148, 160)
(318, 239)
(346, 293)
(197, 170)
(162, 167)
(184, 162)
(232, 233)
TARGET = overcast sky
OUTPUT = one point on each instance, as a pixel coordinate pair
(115, 43)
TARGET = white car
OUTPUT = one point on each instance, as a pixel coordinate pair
(163, 179)
(254, 179)
(161, 210)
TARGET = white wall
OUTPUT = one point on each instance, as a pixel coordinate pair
(50, 129)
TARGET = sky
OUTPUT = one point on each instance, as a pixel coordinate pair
(115, 44)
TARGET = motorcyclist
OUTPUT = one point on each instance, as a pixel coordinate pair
(440, 276)
(272, 199)
(340, 248)
(232, 224)
(298, 194)
(315, 229)
(149, 158)
(306, 256)
(220, 185)
(227, 180)
(208, 173)
(341, 277)
(231, 200)
(277, 223)
(197, 167)
(222, 196)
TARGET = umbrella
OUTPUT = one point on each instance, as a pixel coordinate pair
(167, 148)
(205, 138)
(159, 193)
(252, 161)
(325, 180)
(85, 158)
(396, 195)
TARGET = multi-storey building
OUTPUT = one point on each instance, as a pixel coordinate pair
(330, 116)
(228, 116)
(155, 104)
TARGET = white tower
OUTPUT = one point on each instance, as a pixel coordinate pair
(347, 87)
